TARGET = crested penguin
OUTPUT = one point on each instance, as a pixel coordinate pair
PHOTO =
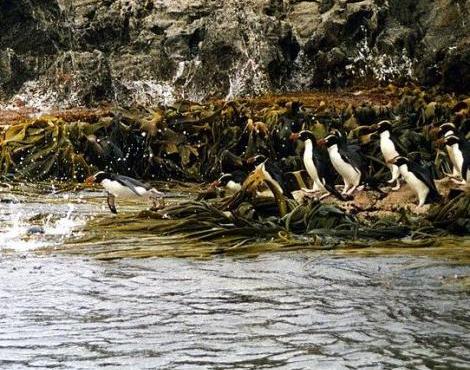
(388, 147)
(271, 171)
(445, 130)
(231, 182)
(346, 161)
(119, 186)
(318, 164)
(460, 157)
(419, 179)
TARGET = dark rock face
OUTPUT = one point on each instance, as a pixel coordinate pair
(142, 51)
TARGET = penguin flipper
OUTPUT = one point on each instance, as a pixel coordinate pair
(352, 157)
(131, 183)
(425, 175)
(465, 169)
(111, 203)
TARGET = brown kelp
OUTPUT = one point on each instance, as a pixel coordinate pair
(190, 141)
(185, 141)
(203, 229)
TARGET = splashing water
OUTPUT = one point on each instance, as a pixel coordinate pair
(382, 67)
(18, 233)
(146, 92)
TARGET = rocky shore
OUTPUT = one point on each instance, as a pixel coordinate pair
(85, 52)
(187, 142)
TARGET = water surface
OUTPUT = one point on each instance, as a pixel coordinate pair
(294, 310)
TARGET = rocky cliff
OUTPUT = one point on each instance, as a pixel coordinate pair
(81, 52)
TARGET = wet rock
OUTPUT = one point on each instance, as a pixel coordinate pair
(456, 69)
(305, 18)
(13, 71)
(83, 78)
(196, 49)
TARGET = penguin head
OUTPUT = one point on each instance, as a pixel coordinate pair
(98, 177)
(330, 140)
(400, 161)
(451, 140)
(446, 127)
(383, 126)
(224, 179)
(256, 160)
(304, 135)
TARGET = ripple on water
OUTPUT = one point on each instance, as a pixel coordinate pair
(290, 310)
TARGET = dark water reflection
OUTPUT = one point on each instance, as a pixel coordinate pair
(289, 311)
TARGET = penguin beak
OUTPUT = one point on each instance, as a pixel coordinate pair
(321, 142)
(90, 180)
(294, 136)
(374, 127)
(215, 184)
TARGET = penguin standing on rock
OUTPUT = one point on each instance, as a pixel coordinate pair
(119, 186)
(346, 161)
(419, 179)
(318, 165)
(445, 130)
(460, 157)
(388, 147)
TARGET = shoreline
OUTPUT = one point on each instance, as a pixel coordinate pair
(185, 141)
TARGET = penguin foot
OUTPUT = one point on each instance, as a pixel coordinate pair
(353, 189)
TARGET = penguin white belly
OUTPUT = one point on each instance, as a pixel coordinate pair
(389, 152)
(121, 191)
(232, 187)
(419, 187)
(457, 159)
(388, 149)
(349, 174)
(313, 173)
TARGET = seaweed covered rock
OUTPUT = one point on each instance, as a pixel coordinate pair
(188, 141)
(454, 215)
(44, 148)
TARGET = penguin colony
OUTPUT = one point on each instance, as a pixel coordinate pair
(335, 165)
(335, 156)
